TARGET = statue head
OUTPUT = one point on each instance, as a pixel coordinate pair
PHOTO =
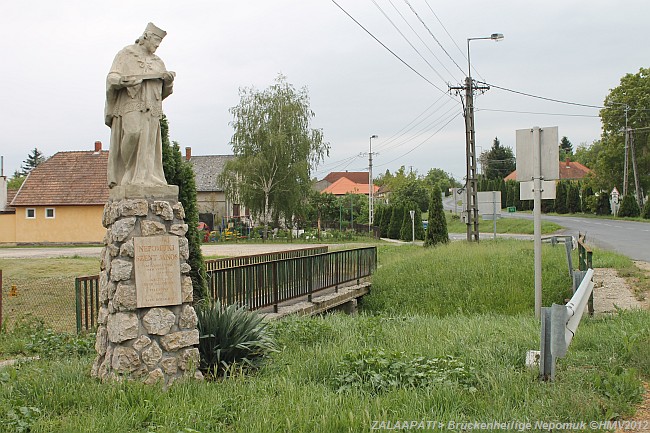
(151, 37)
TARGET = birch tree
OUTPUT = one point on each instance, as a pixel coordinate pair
(275, 150)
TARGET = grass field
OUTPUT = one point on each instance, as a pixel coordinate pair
(442, 337)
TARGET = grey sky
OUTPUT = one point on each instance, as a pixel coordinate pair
(55, 57)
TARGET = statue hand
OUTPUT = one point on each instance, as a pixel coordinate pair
(130, 81)
(169, 76)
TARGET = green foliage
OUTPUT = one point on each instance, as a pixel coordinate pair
(275, 150)
(231, 336)
(573, 197)
(179, 172)
(561, 197)
(441, 178)
(646, 210)
(629, 207)
(295, 330)
(437, 228)
(34, 158)
(375, 371)
(384, 225)
(16, 180)
(411, 191)
(566, 148)
(22, 419)
(498, 162)
(30, 336)
(396, 220)
(621, 385)
(602, 204)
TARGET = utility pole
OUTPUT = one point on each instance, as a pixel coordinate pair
(625, 170)
(470, 145)
(637, 186)
(371, 210)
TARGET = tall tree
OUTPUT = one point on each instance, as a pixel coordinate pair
(625, 105)
(566, 149)
(437, 228)
(499, 161)
(275, 149)
(179, 172)
(34, 158)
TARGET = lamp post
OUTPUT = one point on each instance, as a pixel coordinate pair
(371, 210)
(470, 145)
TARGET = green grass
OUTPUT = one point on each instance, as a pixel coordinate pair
(463, 302)
(504, 225)
(493, 276)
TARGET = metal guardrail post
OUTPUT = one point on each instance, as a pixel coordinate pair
(559, 325)
(275, 286)
(310, 282)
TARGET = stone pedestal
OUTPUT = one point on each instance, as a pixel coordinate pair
(146, 325)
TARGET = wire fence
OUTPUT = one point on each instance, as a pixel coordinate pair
(50, 300)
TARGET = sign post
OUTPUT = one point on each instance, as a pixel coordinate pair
(412, 212)
(537, 161)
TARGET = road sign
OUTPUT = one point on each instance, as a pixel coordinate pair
(547, 159)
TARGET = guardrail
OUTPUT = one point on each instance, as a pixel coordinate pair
(559, 325)
(230, 262)
(270, 283)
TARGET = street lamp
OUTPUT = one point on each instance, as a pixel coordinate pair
(470, 145)
(371, 212)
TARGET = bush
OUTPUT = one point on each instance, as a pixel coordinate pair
(229, 336)
(629, 207)
(646, 210)
(602, 204)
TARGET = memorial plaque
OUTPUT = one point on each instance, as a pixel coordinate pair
(157, 271)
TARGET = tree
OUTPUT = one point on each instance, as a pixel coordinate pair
(384, 224)
(561, 197)
(32, 161)
(646, 211)
(566, 149)
(16, 180)
(441, 178)
(396, 220)
(498, 162)
(179, 172)
(411, 191)
(275, 150)
(629, 207)
(437, 228)
(602, 204)
(630, 100)
(573, 198)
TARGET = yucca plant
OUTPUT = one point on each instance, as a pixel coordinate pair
(231, 336)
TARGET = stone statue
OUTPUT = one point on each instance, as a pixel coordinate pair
(135, 87)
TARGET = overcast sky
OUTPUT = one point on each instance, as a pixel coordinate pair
(55, 57)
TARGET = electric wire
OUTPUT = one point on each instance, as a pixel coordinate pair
(388, 49)
(420, 38)
(532, 112)
(433, 36)
(407, 40)
(423, 142)
(540, 97)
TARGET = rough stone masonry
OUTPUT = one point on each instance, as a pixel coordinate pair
(155, 343)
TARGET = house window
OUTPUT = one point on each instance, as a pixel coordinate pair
(49, 212)
(235, 210)
(30, 213)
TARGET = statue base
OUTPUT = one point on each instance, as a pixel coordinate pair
(145, 258)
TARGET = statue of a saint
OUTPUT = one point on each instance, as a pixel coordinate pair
(135, 87)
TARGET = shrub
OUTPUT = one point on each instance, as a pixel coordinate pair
(231, 335)
(437, 228)
(602, 204)
(629, 207)
(646, 210)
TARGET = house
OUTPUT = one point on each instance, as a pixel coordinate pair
(345, 186)
(60, 201)
(214, 207)
(569, 170)
(360, 177)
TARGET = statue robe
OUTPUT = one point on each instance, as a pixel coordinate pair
(133, 114)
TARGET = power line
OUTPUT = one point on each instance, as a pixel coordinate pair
(436, 132)
(540, 97)
(532, 112)
(433, 36)
(388, 49)
(420, 38)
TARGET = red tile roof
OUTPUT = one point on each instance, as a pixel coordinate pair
(354, 176)
(346, 186)
(568, 170)
(66, 178)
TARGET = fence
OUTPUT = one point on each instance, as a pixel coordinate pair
(215, 264)
(270, 283)
(49, 300)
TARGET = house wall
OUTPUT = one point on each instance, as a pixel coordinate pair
(71, 224)
(7, 228)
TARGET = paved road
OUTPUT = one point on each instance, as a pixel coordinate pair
(626, 237)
